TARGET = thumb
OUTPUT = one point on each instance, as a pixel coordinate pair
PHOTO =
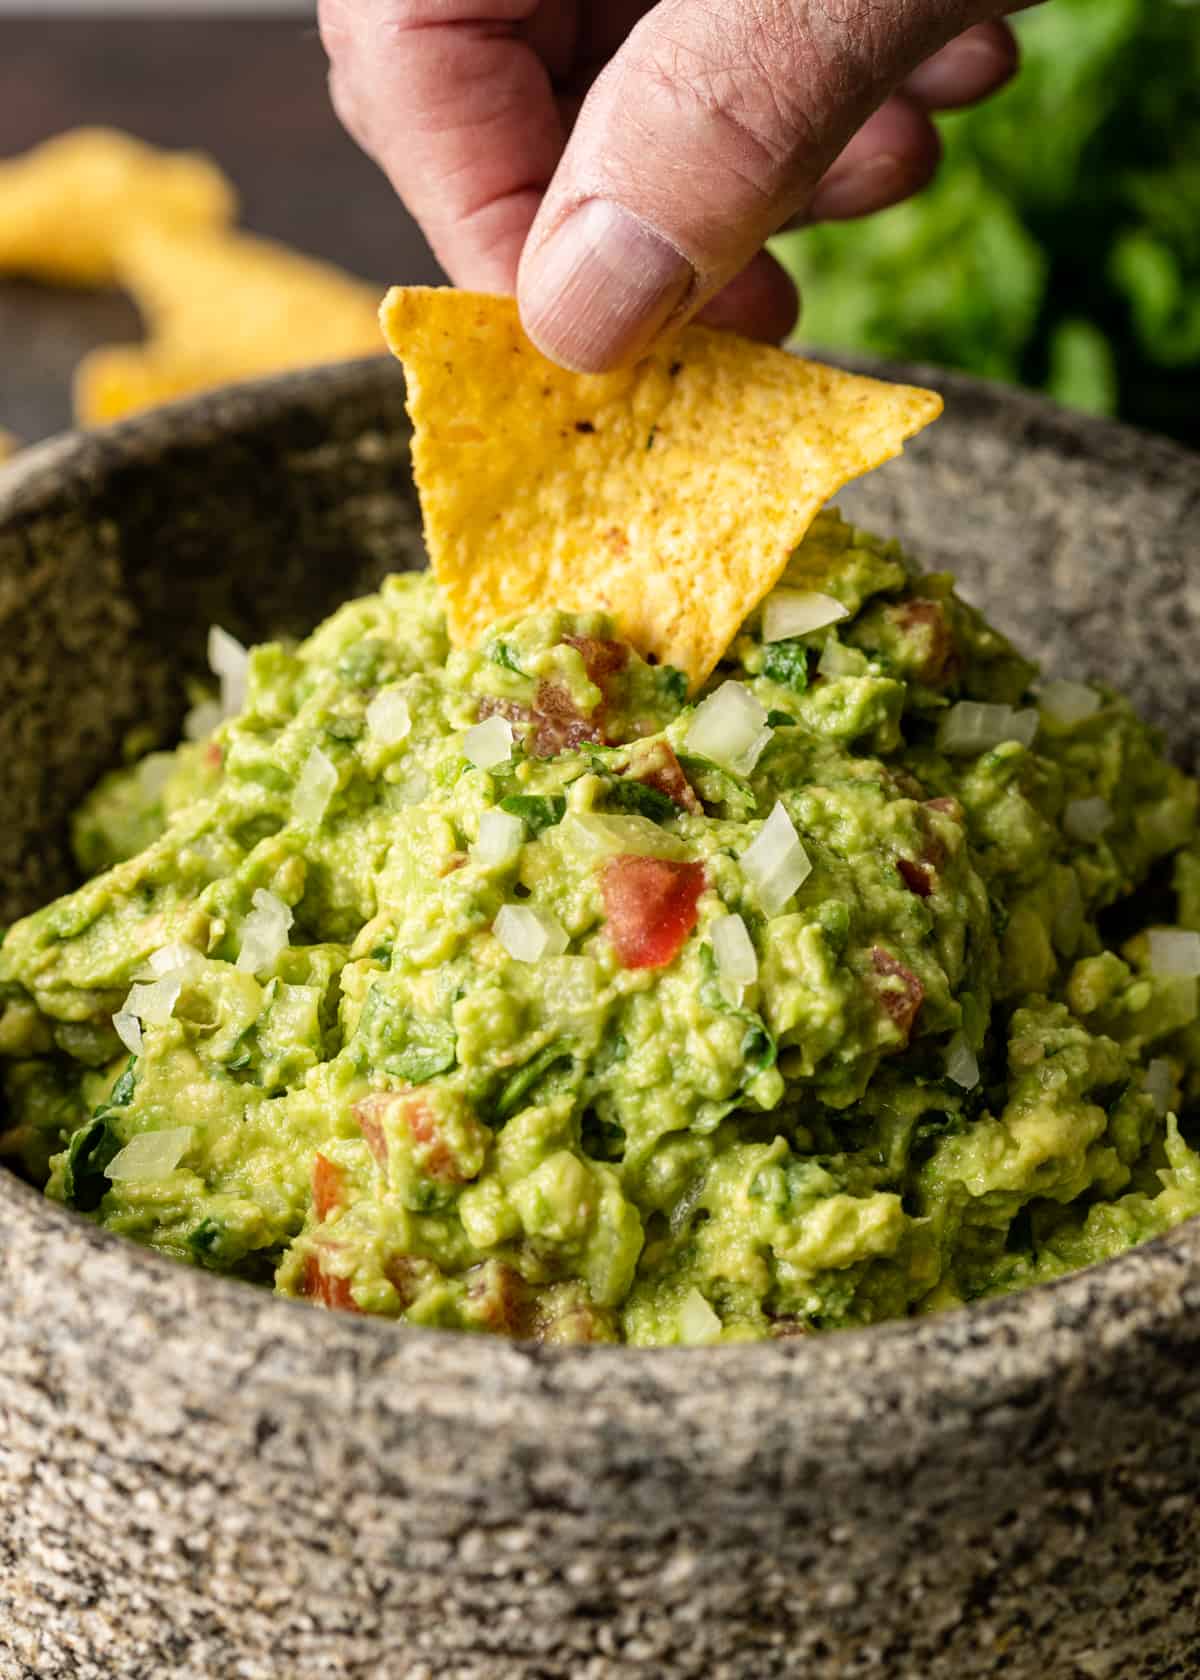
(709, 129)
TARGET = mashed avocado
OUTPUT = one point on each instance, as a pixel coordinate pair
(511, 990)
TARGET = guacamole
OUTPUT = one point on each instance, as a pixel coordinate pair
(516, 990)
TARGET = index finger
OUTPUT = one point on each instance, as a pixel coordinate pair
(458, 110)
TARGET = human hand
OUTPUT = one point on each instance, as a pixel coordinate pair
(619, 164)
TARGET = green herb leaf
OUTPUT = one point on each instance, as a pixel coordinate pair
(122, 1090)
(502, 654)
(410, 1047)
(536, 811)
(89, 1152)
(787, 664)
(675, 683)
(206, 1240)
(781, 720)
(640, 799)
(518, 1086)
(759, 1050)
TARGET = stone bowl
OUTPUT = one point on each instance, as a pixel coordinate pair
(199, 1481)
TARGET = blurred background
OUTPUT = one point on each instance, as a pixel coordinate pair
(1059, 246)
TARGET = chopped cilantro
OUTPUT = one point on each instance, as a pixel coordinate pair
(517, 1087)
(781, 720)
(759, 1049)
(787, 664)
(641, 800)
(502, 654)
(89, 1152)
(411, 1047)
(537, 811)
(675, 683)
(122, 1090)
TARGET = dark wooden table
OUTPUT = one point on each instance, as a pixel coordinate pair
(250, 91)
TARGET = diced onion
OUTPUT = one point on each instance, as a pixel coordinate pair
(795, 612)
(1158, 1084)
(697, 1322)
(1067, 703)
(154, 1004)
(388, 718)
(730, 727)
(971, 727)
(839, 661)
(737, 960)
(177, 958)
(129, 1031)
(201, 719)
(264, 933)
(775, 863)
(150, 1155)
(1175, 952)
(528, 935)
(1087, 819)
(489, 743)
(500, 837)
(229, 660)
(315, 788)
(961, 1063)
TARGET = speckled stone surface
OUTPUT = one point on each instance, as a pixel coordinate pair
(199, 1482)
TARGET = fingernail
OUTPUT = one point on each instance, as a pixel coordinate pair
(601, 287)
(859, 189)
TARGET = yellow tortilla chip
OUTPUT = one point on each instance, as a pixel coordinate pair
(67, 206)
(122, 379)
(222, 308)
(8, 444)
(671, 493)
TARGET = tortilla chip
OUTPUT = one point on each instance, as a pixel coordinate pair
(67, 206)
(671, 494)
(8, 444)
(122, 379)
(222, 308)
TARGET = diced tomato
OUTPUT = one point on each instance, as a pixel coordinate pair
(651, 904)
(656, 765)
(369, 1113)
(498, 1298)
(601, 656)
(316, 1284)
(926, 621)
(437, 1158)
(328, 1186)
(903, 1002)
(490, 706)
(917, 877)
(948, 806)
(434, 1155)
(560, 724)
(408, 1275)
(213, 756)
(788, 1329)
(557, 722)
